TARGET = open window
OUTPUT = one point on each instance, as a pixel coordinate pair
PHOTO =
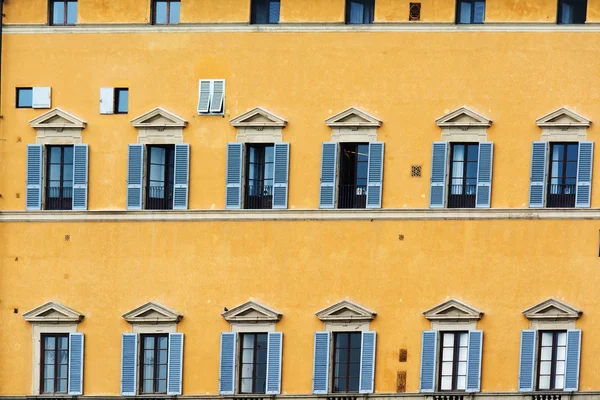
(571, 11)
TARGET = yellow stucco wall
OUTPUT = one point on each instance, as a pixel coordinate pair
(521, 11)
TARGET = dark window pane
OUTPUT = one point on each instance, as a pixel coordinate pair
(355, 340)
(58, 13)
(68, 155)
(160, 12)
(174, 12)
(122, 98)
(340, 385)
(479, 12)
(465, 12)
(342, 340)
(359, 11)
(72, 12)
(24, 98)
(353, 384)
(260, 11)
(260, 386)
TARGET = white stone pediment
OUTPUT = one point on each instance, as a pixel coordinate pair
(563, 117)
(463, 117)
(552, 309)
(152, 312)
(453, 310)
(159, 118)
(258, 117)
(345, 310)
(251, 311)
(57, 119)
(52, 312)
(353, 117)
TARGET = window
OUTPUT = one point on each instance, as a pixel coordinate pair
(470, 11)
(63, 12)
(354, 162)
(553, 354)
(253, 366)
(453, 360)
(360, 11)
(211, 97)
(259, 176)
(59, 184)
(154, 363)
(55, 363)
(265, 12)
(24, 97)
(572, 11)
(121, 100)
(161, 168)
(346, 362)
(463, 181)
(165, 12)
(563, 174)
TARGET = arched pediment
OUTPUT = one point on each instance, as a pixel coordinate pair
(251, 311)
(463, 117)
(345, 310)
(353, 117)
(53, 312)
(57, 119)
(152, 312)
(258, 117)
(159, 117)
(453, 310)
(552, 309)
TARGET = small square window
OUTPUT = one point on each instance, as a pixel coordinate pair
(572, 11)
(165, 12)
(265, 12)
(470, 11)
(360, 11)
(121, 101)
(24, 97)
(63, 12)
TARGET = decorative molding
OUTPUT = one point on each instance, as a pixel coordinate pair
(345, 310)
(251, 312)
(152, 312)
(259, 126)
(464, 125)
(453, 310)
(353, 125)
(53, 312)
(563, 125)
(159, 126)
(552, 309)
(58, 127)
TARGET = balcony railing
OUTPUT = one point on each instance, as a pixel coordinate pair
(561, 196)
(159, 198)
(59, 198)
(352, 196)
(258, 197)
(462, 196)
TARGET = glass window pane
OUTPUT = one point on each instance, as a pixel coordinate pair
(560, 367)
(157, 173)
(465, 12)
(259, 11)
(24, 97)
(462, 354)
(49, 357)
(50, 342)
(479, 12)
(261, 341)
(163, 342)
(148, 372)
(247, 355)
(68, 172)
(62, 385)
(447, 368)
(162, 357)
(72, 12)
(572, 150)
(357, 11)
(248, 341)
(546, 353)
(160, 12)
(341, 340)
(261, 370)
(162, 372)
(63, 356)
(261, 355)
(448, 354)
(260, 386)
(448, 339)
(547, 338)
(162, 386)
(353, 384)
(149, 357)
(559, 382)
(446, 383)
(148, 386)
(246, 386)
(355, 369)
(462, 368)
(545, 367)
(340, 369)
(148, 342)
(461, 382)
(123, 100)
(49, 385)
(463, 339)
(561, 353)
(174, 12)
(561, 339)
(49, 371)
(355, 340)
(355, 355)
(341, 385)
(58, 12)
(62, 372)
(544, 382)
(247, 370)
(341, 355)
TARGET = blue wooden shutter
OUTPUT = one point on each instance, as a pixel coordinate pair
(484, 175)
(428, 361)
(375, 175)
(80, 176)
(367, 362)
(233, 190)
(129, 349)
(328, 174)
(217, 96)
(474, 361)
(584, 174)
(527, 361)
(227, 363)
(274, 346)
(175, 363)
(537, 185)
(321, 363)
(573, 360)
(75, 364)
(33, 192)
(181, 177)
(437, 196)
(280, 175)
(135, 176)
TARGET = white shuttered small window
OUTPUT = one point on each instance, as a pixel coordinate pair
(211, 96)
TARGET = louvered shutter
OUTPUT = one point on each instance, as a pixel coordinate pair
(474, 361)
(75, 364)
(328, 174)
(321, 363)
(537, 185)
(107, 100)
(80, 176)
(280, 175)
(274, 7)
(41, 97)
(437, 196)
(428, 360)
(128, 364)
(227, 363)
(135, 176)
(274, 347)
(527, 361)
(204, 91)
(218, 96)
(33, 191)
(484, 175)
(367, 362)
(233, 190)
(181, 177)
(175, 364)
(584, 174)
(573, 360)
(375, 175)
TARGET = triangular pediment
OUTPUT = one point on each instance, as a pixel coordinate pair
(352, 117)
(453, 310)
(552, 309)
(159, 117)
(345, 310)
(463, 117)
(252, 311)
(57, 118)
(258, 117)
(563, 117)
(152, 312)
(53, 312)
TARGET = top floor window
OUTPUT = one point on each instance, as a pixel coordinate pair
(360, 11)
(165, 12)
(572, 11)
(265, 12)
(63, 12)
(470, 11)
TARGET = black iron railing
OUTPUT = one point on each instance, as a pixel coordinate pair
(462, 196)
(258, 197)
(352, 196)
(159, 198)
(59, 198)
(561, 196)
